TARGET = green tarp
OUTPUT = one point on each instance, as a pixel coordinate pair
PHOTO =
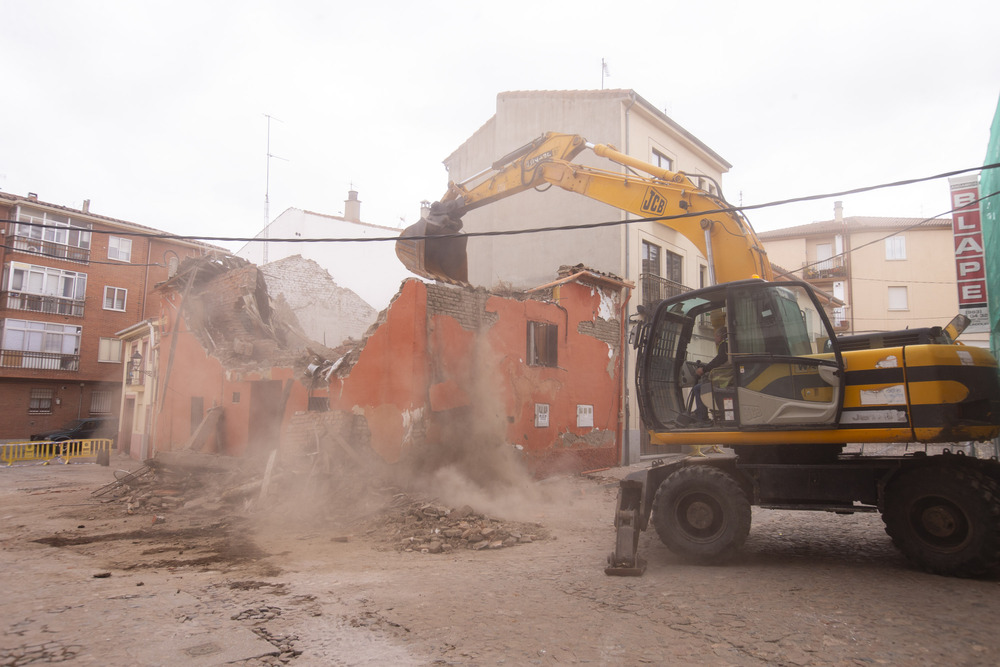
(989, 208)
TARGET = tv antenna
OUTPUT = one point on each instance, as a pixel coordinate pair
(267, 185)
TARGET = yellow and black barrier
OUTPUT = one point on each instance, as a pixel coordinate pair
(49, 450)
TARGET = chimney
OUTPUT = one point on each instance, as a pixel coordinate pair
(86, 206)
(32, 196)
(838, 211)
(425, 208)
(352, 206)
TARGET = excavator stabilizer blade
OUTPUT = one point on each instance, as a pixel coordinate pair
(434, 252)
(624, 561)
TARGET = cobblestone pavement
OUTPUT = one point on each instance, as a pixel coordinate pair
(87, 583)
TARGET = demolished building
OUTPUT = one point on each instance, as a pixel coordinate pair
(445, 374)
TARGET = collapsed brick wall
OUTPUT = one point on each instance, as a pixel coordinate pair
(307, 431)
(607, 331)
(466, 306)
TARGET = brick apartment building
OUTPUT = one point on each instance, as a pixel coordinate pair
(71, 281)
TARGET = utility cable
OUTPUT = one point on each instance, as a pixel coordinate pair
(533, 230)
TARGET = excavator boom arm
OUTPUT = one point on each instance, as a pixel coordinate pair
(722, 236)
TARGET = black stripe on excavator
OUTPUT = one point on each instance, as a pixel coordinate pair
(875, 376)
(974, 413)
(973, 377)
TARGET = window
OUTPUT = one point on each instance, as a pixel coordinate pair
(656, 283)
(543, 343)
(661, 160)
(109, 350)
(318, 404)
(824, 256)
(895, 247)
(114, 298)
(100, 402)
(674, 267)
(119, 248)
(897, 299)
(48, 281)
(28, 344)
(43, 289)
(702, 276)
(650, 258)
(58, 229)
(705, 183)
(40, 401)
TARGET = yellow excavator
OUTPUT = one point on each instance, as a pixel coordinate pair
(787, 399)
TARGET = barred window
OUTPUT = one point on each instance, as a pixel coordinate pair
(100, 402)
(40, 401)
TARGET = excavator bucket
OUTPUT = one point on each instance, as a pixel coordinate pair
(434, 248)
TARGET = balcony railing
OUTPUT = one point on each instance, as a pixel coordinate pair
(50, 249)
(656, 288)
(39, 303)
(43, 361)
(829, 268)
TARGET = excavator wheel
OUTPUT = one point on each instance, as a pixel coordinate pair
(945, 518)
(701, 514)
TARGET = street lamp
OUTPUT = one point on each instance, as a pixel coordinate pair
(136, 360)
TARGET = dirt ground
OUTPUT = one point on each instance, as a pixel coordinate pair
(317, 583)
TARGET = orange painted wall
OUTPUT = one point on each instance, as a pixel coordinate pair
(418, 375)
(430, 368)
(388, 384)
(194, 373)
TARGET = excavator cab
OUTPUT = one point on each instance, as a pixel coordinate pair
(780, 376)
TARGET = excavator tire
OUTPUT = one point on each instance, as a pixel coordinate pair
(945, 518)
(701, 514)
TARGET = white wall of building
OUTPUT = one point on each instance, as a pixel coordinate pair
(370, 270)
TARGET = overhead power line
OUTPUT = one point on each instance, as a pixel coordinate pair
(540, 230)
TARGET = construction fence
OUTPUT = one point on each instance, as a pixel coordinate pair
(48, 451)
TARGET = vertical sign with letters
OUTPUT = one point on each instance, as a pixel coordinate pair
(970, 264)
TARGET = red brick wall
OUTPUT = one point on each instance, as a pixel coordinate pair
(96, 323)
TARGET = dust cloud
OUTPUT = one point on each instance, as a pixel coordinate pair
(468, 460)
(463, 459)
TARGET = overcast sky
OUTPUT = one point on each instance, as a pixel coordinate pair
(155, 111)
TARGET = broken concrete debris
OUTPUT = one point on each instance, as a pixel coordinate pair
(191, 480)
(428, 527)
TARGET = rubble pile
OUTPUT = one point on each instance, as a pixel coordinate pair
(152, 490)
(429, 527)
(385, 514)
(192, 480)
